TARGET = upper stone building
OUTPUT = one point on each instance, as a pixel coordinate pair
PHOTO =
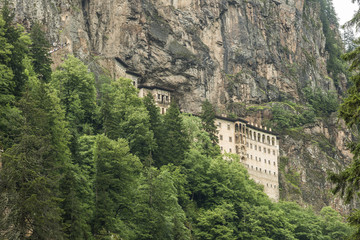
(162, 96)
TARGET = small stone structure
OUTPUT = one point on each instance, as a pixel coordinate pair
(257, 147)
(162, 96)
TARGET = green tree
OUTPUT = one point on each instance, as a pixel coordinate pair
(176, 142)
(76, 86)
(208, 119)
(15, 34)
(158, 213)
(156, 126)
(117, 171)
(124, 115)
(39, 52)
(32, 168)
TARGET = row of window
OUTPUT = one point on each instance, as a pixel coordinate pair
(228, 126)
(265, 171)
(256, 148)
(162, 98)
(259, 159)
(270, 185)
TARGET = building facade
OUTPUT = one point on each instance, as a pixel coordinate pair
(257, 147)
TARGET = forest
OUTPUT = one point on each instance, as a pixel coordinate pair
(86, 158)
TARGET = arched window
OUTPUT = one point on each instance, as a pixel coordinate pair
(263, 138)
(259, 137)
(240, 127)
(272, 141)
(243, 128)
(247, 133)
(255, 136)
(268, 139)
(236, 127)
(251, 136)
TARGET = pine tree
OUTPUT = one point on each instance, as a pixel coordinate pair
(176, 142)
(32, 168)
(20, 42)
(156, 126)
(208, 119)
(116, 177)
(40, 53)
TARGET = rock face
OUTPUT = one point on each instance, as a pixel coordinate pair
(227, 51)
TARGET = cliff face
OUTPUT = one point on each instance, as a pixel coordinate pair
(235, 53)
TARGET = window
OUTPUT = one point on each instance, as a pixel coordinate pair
(250, 146)
(256, 158)
(273, 152)
(274, 186)
(162, 111)
(256, 168)
(247, 156)
(250, 156)
(264, 160)
(269, 162)
(274, 164)
(274, 173)
(167, 98)
(219, 124)
(230, 139)
(269, 172)
(268, 151)
(228, 126)
(159, 96)
(229, 149)
(221, 137)
(255, 147)
(259, 159)
(259, 148)
(260, 169)
(252, 167)
(264, 150)
(247, 144)
(265, 170)
(221, 148)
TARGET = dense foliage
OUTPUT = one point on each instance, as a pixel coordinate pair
(77, 166)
